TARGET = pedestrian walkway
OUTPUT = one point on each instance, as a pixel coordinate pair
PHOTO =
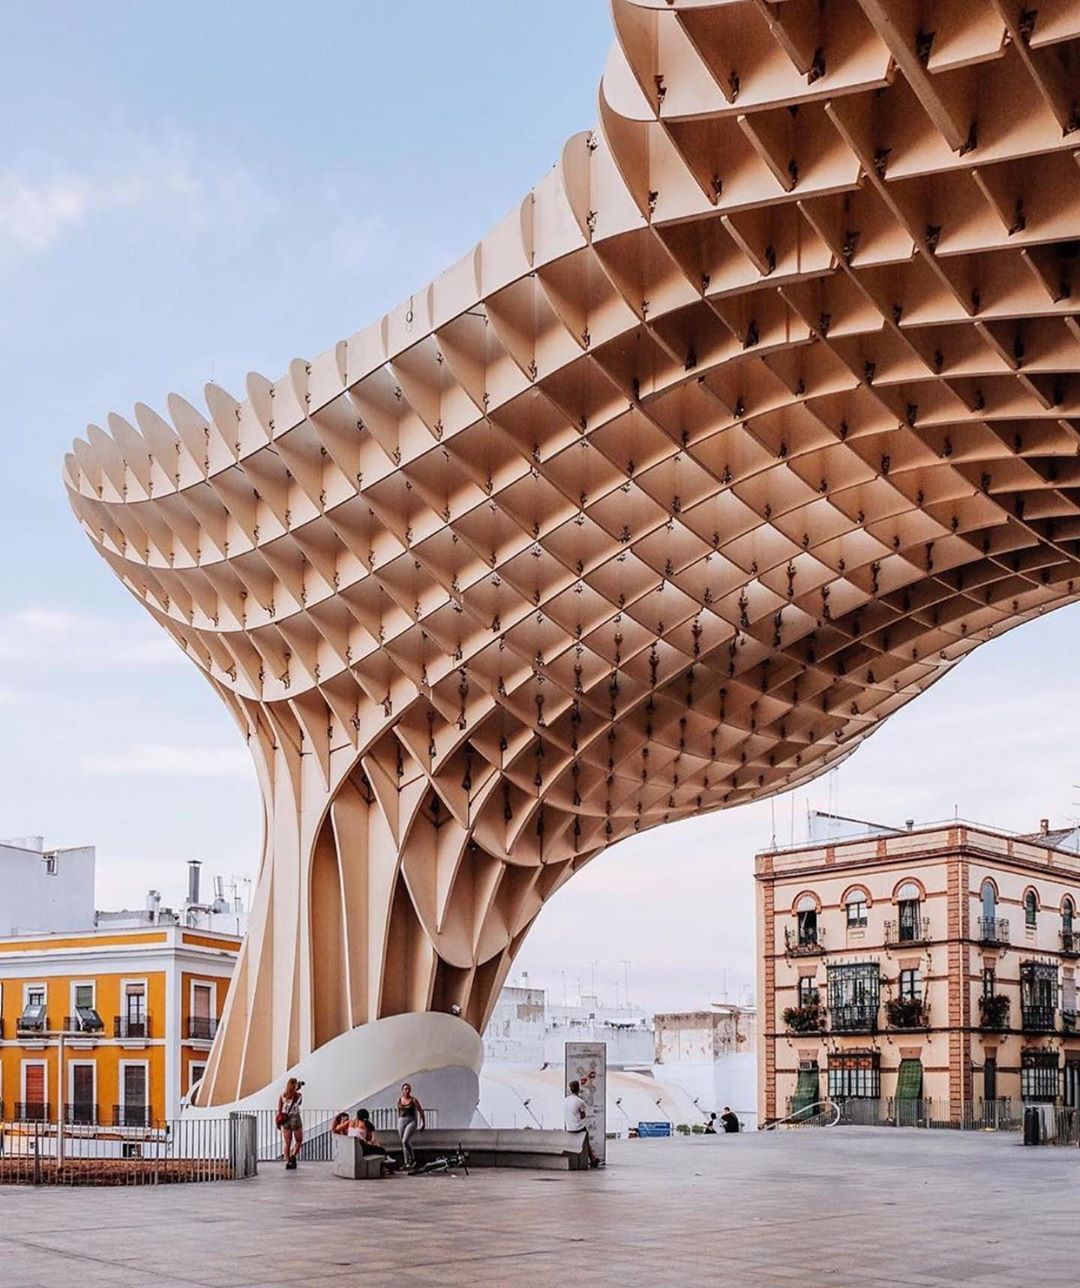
(835, 1207)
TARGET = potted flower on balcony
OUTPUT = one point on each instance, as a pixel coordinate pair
(994, 1010)
(807, 1017)
(905, 1012)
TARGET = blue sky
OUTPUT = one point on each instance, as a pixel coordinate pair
(191, 192)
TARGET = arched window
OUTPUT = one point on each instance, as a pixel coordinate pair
(806, 915)
(855, 902)
(907, 898)
(1068, 937)
(988, 895)
(1031, 909)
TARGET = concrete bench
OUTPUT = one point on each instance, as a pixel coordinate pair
(488, 1147)
(350, 1162)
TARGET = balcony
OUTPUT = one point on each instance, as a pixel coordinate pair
(131, 1027)
(81, 1115)
(1068, 1022)
(1070, 943)
(993, 1011)
(132, 1116)
(809, 1018)
(33, 1023)
(33, 1111)
(856, 1018)
(1038, 1019)
(993, 930)
(907, 1013)
(804, 943)
(915, 931)
(201, 1028)
(88, 1024)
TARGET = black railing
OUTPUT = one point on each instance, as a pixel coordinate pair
(132, 1116)
(72, 1024)
(1070, 943)
(202, 1028)
(907, 1013)
(131, 1027)
(993, 930)
(804, 943)
(993, 1011)
(858, 1018)
(30, 1028)
(1068, 1021)
(32, 1111)
(81, 1115)
(1037, 1019)
(915, 931)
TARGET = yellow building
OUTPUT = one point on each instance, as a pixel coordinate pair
(106, 1018)
(138, 1009)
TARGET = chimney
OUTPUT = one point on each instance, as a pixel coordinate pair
(193, 880)
(910, 824)
(1044, 826)
(153, 903)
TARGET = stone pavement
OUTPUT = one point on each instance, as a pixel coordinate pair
(845, 1207)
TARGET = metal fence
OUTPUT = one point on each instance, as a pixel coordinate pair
(977, 1115)
(179, 1150)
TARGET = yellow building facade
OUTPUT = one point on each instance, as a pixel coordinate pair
(108, 1027)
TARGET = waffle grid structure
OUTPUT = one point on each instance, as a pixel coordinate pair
(759, 413)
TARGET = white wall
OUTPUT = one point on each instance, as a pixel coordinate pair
(503, 1092)
(32, 901)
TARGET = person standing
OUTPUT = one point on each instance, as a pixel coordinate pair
(575, 1112)
(410, 1120)
(290, 1122)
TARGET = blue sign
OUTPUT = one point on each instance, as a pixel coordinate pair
(654, 1129)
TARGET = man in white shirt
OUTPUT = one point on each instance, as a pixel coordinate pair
(575, 1112)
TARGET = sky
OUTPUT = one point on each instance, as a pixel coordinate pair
(192, 192)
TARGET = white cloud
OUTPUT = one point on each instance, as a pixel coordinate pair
(45, 638)
(167, 176)
(152, 760)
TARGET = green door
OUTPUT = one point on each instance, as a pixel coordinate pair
(908, 1093)
(807, 1089)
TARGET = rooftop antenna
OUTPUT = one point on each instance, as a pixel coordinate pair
(772, 808)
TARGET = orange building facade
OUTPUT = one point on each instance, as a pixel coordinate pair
(927, 973)
(137, 1009)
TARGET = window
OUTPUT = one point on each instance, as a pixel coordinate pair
(81, 1108)
(50, 864)
(989, 981)
(86, 1018)
(133, 1092)
(33, 1018)
(1031, 909)
(201, 1022)
(195, 1073)
(806, 916)
(854, 994)
(1038, 994)
(854, 1075)
(990, 1078)
(807, 1088)
(908, 908)
(910, 986)
(134, 1022)
(35, 995)
(808, 991)
(1039, 1075)
(856, 908)
(988, 896)
(1067, 911)
(34, 1078)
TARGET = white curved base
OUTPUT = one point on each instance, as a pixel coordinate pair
(439, 1054)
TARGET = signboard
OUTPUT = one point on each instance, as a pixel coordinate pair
(586, 1064)
(654, 1129)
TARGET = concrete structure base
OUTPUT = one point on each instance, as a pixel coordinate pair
(439, 1055)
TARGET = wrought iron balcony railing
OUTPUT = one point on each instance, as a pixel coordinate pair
(132, 1116)
(1038, 1019)
(993, 930)
(81, 1115)
(201, 1028)
(857, 1018)
(993, 1011)
(907, 1013)
(804, 943)
(1070, 943)
(125, 1026)
(916, 931)
(32, 1111)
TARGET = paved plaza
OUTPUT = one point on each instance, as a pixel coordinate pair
(849, 1206)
